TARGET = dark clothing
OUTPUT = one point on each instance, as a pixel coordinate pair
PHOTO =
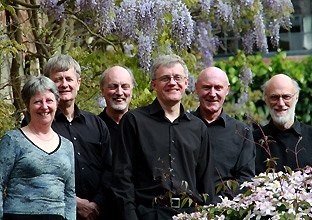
(233, 149)
(91, 140)
(111, 124)
(93, 155)
(161, 212)
(154, 156)
(282, 144)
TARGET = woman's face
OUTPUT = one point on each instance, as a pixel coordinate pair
(42, 107)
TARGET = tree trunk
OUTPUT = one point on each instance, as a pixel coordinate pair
(15, 33)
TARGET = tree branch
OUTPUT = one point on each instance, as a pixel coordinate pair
(95, 34)
(26, 4)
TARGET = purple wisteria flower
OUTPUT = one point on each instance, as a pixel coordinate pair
(143, 22)
(206, 42)
(51, 8)
(100, 101)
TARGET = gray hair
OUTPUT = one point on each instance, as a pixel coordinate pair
(296, 86)
(37, 84)
(103, 76)
(61, 63)
(167, 61)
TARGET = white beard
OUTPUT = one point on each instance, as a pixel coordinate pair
(119, 107)
(284, 120)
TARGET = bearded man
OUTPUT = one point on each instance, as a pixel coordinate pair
(284, 141)
(116, 85)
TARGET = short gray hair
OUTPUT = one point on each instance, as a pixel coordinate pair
(103, 76)
(296, 86)
(37, 84)
(61, 63)
(167, 61)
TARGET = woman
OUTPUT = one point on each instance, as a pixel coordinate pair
(36, 164)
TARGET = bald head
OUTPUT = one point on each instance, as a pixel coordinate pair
(213, 72)
(212, 87)
(279, 82)
(117, 70)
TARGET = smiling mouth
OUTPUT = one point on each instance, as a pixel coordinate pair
(280, 111)
(44, 114)
(119, 99)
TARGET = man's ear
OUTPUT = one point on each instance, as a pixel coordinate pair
(79, 82)
(153, 84)
(228, 89)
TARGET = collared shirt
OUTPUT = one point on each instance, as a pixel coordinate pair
(154, 156)
(91, 140)
(289, 146)
(233, 149)
(111, 124)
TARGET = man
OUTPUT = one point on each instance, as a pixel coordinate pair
(89, 135)
(231, 140)
(162, 152)
(284, 139)
(116, 85)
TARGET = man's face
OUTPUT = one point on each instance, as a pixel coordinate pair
(281, 99)
(212, 87)
(169, 91)
(117, 89)
(67, 83)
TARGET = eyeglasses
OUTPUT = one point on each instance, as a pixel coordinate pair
(285, 97)
(176, 78)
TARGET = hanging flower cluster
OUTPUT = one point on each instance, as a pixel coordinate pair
(269, 196)
(154, 25)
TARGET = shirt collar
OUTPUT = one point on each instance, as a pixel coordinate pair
(221, 120)
(108, 119)
(294, 128)
(157, 109)
(59, 115)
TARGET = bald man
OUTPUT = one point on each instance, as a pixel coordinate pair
(287, 138)
(231, 140)
(116, 85)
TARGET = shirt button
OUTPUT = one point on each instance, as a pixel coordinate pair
(70, 123)
(78, 153)
(172, 141)
(82, 168)
(75, 138)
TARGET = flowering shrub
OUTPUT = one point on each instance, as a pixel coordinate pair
(282, 195)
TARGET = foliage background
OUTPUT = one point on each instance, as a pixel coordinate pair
(93, 64)
(102, 33)
(254, 108)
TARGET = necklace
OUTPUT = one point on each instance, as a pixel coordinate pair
(32, 131)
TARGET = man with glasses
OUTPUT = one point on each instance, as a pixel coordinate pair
(162, 155)
(284, 141)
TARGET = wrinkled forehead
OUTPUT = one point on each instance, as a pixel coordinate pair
(118, 76)
(280, 88)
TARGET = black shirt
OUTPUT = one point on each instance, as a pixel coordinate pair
(154, 156)
(233, 149)
(91, 140)
(111, 124)
(282, 144)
